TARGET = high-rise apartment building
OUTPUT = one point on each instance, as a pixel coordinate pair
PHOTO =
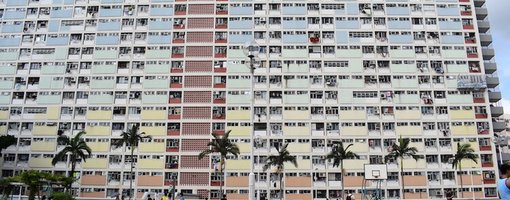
(364, 72)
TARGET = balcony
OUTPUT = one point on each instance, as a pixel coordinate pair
(497, 111)
(499, 126)
(490, 67)
(483, 26)
(488, 53)
(494, 96)
(492, 82)
(479, 3)
(481, 13)
(486, 39)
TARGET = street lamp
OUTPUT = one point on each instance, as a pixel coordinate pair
(251, 50)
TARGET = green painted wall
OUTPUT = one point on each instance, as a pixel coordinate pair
(157, 69)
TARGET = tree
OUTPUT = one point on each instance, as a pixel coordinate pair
(464, 152)
(132, 138)
(223, 146)
(6, 141)
(34, 180)
(76, 148)
(401, 151)
(278, 161)
(338, 154)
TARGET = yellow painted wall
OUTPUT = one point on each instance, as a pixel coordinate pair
(3, 130)
(99, 146)
(4, 114)
(463, 130)
(40, 162)
(355, 164)
(244, 147)
(154, 114)
(99, 115)
(296, 131)
(407, 114)
(154, 130)
(353, 130)
(302, 164)
(152, 147)
(52, 112)
(239, 130)
(353, 114)
(151, 164)
(238, 115)
(296, 114)
(44, 130)
(462, 114)
(358, 147)
(419, 145)
(466, 164)
(408, 130)
(95, 163)
(238, 165)
(474, 145)
(43, 146)
(98, 130)
(412, 164)
(299, 147)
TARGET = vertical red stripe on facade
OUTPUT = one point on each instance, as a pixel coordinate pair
(198, 66)
(199, 51)
(196, 113)
(194, 178)
(194, 145)
(201, 9)
(199, 23)
(197, 81)
(192, 162)
(196, 128)
(199, 37)
(197, 97)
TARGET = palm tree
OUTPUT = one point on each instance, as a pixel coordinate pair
(278, 161)
(338, 154)
(131, 138)
(223, 146)
(464, 152)
(76, 148)
(401, 151)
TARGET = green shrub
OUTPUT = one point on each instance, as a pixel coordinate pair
(62, 196)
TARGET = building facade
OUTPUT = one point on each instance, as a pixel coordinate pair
(364, 72)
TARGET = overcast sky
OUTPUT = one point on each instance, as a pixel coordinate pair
(499, 16)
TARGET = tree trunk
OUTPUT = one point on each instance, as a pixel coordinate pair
(131, 173)
(342, 177)
(71, 174)
(281, 185)
(461, 184)
(402, 176)
(222, 160)
(32, 192)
